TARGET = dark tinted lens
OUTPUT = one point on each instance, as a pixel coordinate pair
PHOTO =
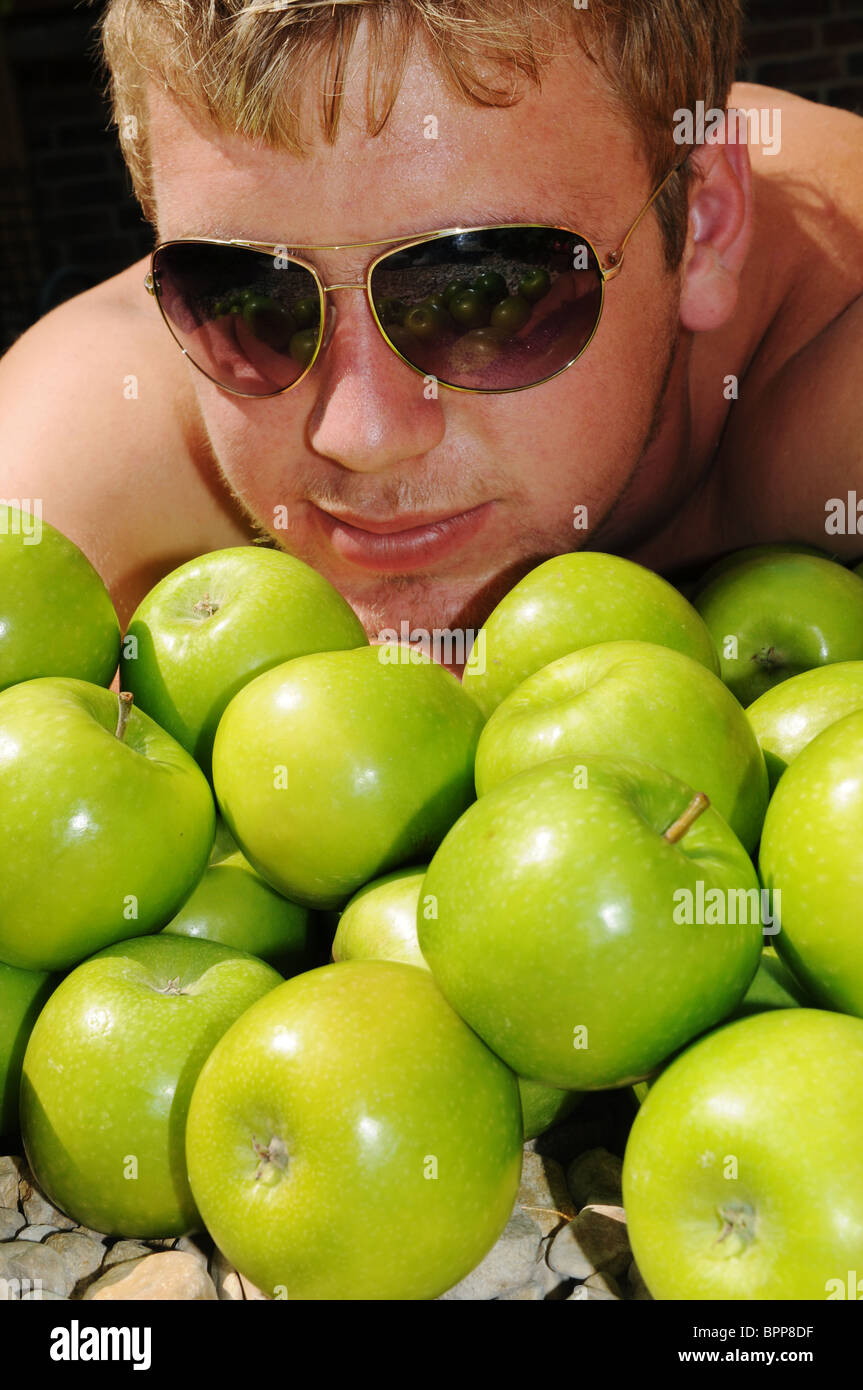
(247, 319)
(493, 310)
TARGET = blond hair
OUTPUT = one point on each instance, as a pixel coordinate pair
(250, 65)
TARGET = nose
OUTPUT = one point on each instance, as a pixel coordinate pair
(372, 411)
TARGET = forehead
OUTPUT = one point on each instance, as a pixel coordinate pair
(561, 154)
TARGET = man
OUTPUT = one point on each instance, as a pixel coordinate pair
(717, 405)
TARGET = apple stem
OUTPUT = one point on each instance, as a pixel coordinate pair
(125, 699)
(206, 606)
(697, 806)
(767, 658)
(274, 1153)
(738, 1219)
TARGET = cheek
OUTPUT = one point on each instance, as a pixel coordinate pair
(606, 405)
(577, 440)
(253, 442)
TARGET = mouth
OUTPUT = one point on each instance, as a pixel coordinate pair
(400, 543)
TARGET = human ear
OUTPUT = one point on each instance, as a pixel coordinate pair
(720, 230)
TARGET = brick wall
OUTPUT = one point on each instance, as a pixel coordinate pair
(65, 191)
(67, 217)
(813, 47)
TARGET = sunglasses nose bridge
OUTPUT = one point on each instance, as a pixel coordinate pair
(331, 311)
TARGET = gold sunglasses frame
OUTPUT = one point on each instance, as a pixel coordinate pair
(607, 272)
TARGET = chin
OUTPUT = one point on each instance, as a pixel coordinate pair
(415, 608)
(429, 603)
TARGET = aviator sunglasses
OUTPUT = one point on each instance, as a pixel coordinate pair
(480, 309)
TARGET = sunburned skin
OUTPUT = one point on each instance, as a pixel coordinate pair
(716, 407)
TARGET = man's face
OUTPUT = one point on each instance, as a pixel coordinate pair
(376, 478)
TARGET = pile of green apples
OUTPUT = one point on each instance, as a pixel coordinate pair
(301, 938)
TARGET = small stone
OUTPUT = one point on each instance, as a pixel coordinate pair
(36, 1233)
(605, 1283)
(123, 1251)
(225, 1277)
(566, 1257)
(510, 1264)
(40, 1212)
(583, 1293)
(595, 1178)
(528, 1293)
(198, 1245)
(595, 1241)
(98, 1236)
(81, 1256)
(169, 1274)
(543, 1195)
(11, 1170)
(555, 1286)
(161, 1243)
(638, 1290)
(25, 1265)
(10, 1223)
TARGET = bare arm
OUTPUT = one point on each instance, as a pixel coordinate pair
(92, 418)
(804, 445)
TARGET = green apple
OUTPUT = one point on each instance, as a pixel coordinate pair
(734, 558)
(694, 578)
(544, 1106)
(110, 1068)
(232, 904)
(380, 923)
(22, 996)
(636, 699)
(774, 615)
(811, 860)
(587, 921)
(789, 716)
(106, 822)
(351, 1138)
(56, 616)
(212, 625)
(774, 987)
(337, 767)
(742, 1175)
(574, 601)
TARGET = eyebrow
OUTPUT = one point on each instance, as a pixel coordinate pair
(595, 209)
(469, 217)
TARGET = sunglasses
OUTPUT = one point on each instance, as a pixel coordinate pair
(479, 309)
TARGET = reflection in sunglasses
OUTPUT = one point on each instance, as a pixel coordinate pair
(495, 309)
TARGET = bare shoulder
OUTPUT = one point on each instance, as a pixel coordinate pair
(99, 423)
(794, 134)
(805, 264)
(94, 335)
(793, 440)
(806, 165)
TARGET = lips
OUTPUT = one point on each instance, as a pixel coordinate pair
(388, 545)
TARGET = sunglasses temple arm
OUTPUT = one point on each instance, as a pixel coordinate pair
(615, 260)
